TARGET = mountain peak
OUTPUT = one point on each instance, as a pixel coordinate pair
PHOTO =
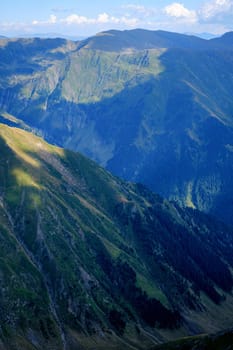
(140, 39)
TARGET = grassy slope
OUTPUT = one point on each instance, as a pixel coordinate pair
(108, 73)
(79, 230)
(78, 96)
(43, 201)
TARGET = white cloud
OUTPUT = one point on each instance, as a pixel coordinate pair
(69, 24)
(179, 11)
(76, 19)
(52, 19)
(214, 16)
(103, 18)
(214, 8)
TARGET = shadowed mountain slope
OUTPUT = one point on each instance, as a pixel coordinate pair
(220, 341)
(88, 260)
(143, 104)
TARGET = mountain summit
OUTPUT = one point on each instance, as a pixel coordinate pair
(141, 39)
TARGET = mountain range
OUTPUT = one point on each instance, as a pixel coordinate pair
(151, 107)
(89, 261)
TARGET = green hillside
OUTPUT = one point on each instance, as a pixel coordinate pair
(89, 261)
(143, 104)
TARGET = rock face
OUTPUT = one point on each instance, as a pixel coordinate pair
(152, 107)
(88, 260)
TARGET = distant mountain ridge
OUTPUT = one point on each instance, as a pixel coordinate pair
(141, 39)
(144, 104)
(45, 36)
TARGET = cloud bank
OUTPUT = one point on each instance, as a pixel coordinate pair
(214, 16)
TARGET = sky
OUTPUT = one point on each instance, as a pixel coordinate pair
(83, 18)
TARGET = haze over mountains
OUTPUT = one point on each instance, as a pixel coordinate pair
(89, 260)
(45, 36)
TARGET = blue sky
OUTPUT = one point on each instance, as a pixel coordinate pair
(84, 18)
